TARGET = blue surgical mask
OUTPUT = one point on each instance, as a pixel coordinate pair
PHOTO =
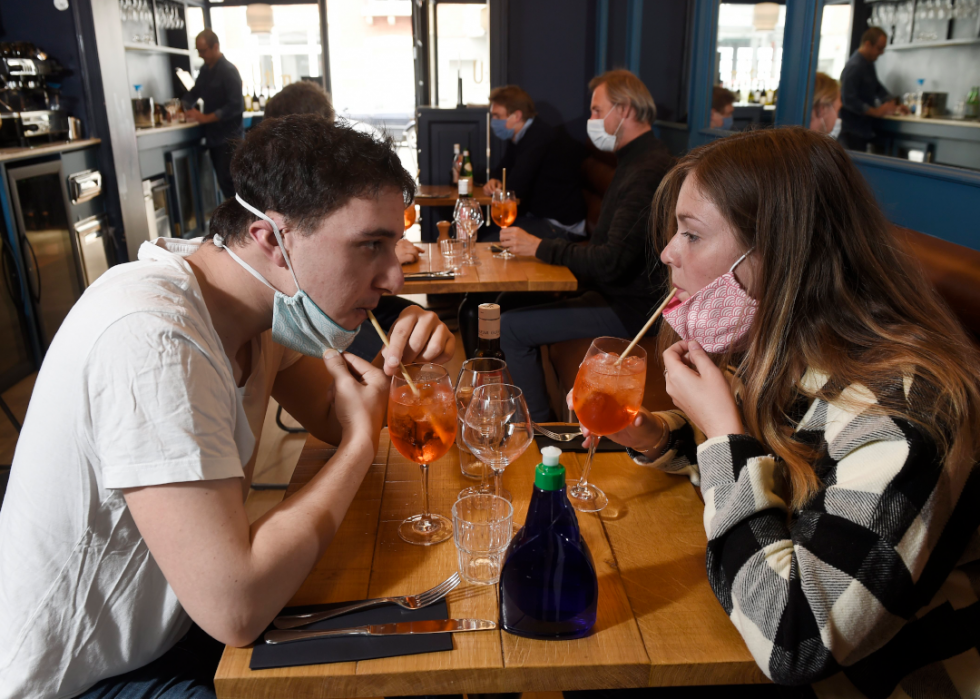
(500, 130)
(297, 322)
(727, 122)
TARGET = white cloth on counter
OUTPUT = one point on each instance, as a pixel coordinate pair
(135, 390)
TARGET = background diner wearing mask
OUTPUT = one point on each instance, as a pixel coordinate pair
(722, 108)
(543, 168)
(616, 291)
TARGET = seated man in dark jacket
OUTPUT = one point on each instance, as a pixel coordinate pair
(543, 167)
(612, 268)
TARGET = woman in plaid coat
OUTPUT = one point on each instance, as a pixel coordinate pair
(837, 451)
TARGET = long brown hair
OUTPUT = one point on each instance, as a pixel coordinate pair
(837, 294)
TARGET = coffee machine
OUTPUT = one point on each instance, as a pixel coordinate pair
(30, 102)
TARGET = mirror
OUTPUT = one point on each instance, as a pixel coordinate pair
(912, 92)
(748, 59)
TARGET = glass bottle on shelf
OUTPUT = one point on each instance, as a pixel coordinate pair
(466, 172)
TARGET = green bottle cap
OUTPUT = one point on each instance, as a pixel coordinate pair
(550, 475)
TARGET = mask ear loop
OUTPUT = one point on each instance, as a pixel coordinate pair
(732, 268)
(275, 230)
(219, 242)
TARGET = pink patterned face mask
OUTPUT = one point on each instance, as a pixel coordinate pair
(717, 316)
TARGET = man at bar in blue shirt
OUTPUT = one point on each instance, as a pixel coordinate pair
(863, 96)
(219, 84)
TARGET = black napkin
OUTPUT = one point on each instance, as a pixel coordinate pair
(576, 444)
(345, 648)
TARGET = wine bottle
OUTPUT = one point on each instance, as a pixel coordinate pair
(489, 331)
(467, 170)
(457, 163)
(262, 99)
(548, 584)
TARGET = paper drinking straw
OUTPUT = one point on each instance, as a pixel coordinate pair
(643, 331)
(384, 339)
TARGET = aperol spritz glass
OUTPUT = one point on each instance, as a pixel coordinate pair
(503, 211)
(422, 427)
(606, 397)
(410, 216)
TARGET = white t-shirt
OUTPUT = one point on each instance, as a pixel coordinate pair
(135, 390)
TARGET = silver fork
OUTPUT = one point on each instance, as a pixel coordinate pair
(423, 599)
(557, 436)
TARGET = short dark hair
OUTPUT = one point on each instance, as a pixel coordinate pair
(210, 38)
(872, 35)
(305, 168)
(513, 98)
(304, 97)
(721, 97)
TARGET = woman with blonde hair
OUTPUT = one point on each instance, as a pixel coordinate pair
(826, 104)
(829, 405)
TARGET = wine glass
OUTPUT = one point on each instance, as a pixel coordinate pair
(503, 211)
(468, 218)
(480, 371)
(422, 426)
(410, 216)
(497, 428)
(606, 396)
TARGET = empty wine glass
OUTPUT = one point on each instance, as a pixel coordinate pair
(468, 217)
(497, 428)
(480, 371)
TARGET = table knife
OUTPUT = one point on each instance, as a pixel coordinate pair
(406, 628)
(445, 274)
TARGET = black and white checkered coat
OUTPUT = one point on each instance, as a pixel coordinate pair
(871, 589)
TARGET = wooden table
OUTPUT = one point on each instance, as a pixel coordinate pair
(446, 195)
(658, 622)
(492, 274)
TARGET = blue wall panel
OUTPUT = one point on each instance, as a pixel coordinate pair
(941, 201)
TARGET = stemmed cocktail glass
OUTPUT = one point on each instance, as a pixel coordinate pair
(480, 371)
(503, 211)
(497, 428)
(468, 217)
(422, 427)
(606, 397)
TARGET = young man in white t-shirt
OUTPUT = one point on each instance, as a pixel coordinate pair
(124, 517)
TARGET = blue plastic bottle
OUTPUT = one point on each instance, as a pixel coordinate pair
(548, 585)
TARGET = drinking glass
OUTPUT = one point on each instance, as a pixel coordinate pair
(503, 211)
(474, 373)
(482, 526)
(468, 218)
(410, 216)
(422, 427)
(606, 397)
(497, 428)
(452, 251)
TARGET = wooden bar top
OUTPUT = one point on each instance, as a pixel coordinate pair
(658, 622)
(492, 274)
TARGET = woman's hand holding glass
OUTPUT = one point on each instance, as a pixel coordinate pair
(700, 389)
(644, 434)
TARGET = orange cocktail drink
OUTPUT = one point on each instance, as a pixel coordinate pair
(607, 395)
(422, 427)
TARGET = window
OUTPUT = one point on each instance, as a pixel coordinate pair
(750, 49)
(835, 38)
(270, 57)
(463, 52)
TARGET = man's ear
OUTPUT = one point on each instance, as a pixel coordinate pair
(263, 236)
(519, 113)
